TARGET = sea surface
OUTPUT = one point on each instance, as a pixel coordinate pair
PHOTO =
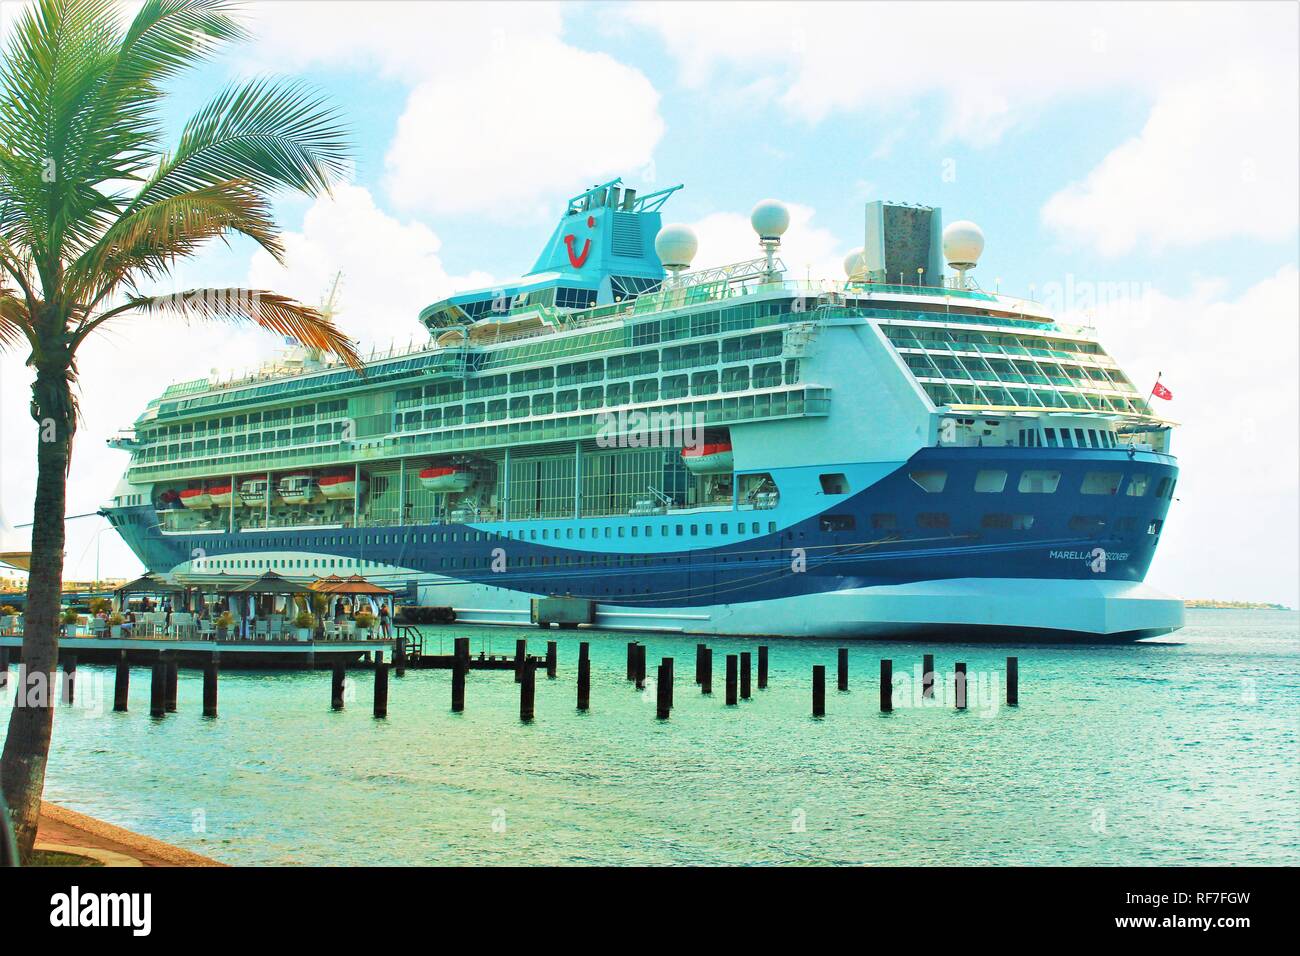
(1181, 750)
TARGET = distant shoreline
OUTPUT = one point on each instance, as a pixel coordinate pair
(1206, 604)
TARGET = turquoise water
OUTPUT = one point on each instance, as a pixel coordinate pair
(1170, 752)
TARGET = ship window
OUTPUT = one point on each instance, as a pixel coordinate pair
(884, 522)
(679, 531)
(771, 527)
(990, 482)
(1087, 523)
(933, 519)
(1162, 489)
(1050, 435)
(1100, 483)
(930, 481)
(1039, 482)
(834, 484)
(1126, 523)
(1137, 485)
(1155, 526)
(753, 527)
(837, 523)
(1008, 522)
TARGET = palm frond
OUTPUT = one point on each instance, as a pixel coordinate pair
(15, 326)
(148, 240)
(270, 310)
(275, 135)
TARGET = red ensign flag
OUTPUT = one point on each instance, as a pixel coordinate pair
(1161, 392)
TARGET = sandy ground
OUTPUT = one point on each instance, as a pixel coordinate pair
(71, 832)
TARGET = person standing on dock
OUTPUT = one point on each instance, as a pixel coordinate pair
(385, 621)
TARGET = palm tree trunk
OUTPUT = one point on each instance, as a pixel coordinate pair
(27, 746)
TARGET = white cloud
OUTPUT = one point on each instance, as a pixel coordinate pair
(391, 269)
(401, 40)
(806, 249)
(1217, 159)
(534, 116)
(993, 64)
(1232, 367)
(504, 117)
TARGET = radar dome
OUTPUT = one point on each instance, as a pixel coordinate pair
(963, 241)
(770, 219)
(855, 264)
(676, 246)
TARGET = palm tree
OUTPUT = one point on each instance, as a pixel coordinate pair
(93, 209)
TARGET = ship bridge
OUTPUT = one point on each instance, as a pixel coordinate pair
(601, 252)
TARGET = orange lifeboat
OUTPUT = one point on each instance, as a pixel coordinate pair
(197, 498)
(710, 458)
(448, 478)
(342, 485)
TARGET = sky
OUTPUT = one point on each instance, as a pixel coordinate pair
(1134, 165)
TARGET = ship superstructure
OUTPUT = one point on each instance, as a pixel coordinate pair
(720, 451)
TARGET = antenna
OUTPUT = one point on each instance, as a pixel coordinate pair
(770, 219)
(963, 241)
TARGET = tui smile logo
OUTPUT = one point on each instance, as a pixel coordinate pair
(578, 258)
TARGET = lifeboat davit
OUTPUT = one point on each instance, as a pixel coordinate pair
(196, 498)
(709, 458)
(301, 488)
(446, 478)
(220, 494)
(341, 485)
(253, 493)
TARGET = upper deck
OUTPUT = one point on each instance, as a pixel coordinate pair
(528, 364)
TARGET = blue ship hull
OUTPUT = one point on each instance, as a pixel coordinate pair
(833, 572)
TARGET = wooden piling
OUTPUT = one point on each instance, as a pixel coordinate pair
(1013, 682)
(927, 676)
(886, 686)
(664, 690)
(399, 656)
(819, 690)
(381, 690)
(762, 667)
(521, 656)
(959, 679)
(210, 687)
(584, 676)
(640, 667)
(842, 669)
(733, 663)
(745, 669)
(552, 659)
(527, 690)
(158, 689)
(173, 680)
(336, 686)
(706, 676)
(699, 663)
(631, 660)
(70, 677)
(121, 683)
(459, 669)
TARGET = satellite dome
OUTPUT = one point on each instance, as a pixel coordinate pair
(855, 264)
(770, 219)
(676, 245)
(963, 241)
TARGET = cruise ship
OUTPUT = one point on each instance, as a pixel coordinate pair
(730, 450)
